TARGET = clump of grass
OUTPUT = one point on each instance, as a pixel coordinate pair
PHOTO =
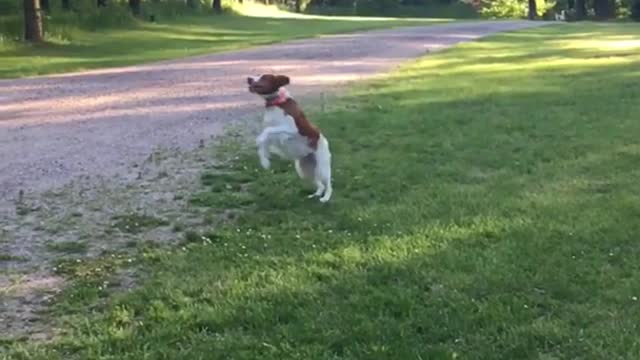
(10, 257)
(135, 223)
(74, 247)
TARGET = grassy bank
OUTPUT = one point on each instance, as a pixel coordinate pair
(486, 208)
(70, 48)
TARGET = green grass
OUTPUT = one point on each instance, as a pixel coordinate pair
(134, 223)
(72, 49)
(486, 207)
(73, 247)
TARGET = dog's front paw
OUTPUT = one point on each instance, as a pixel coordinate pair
(266, 164)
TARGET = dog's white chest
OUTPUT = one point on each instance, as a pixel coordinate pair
(288, 144)
(275, 116)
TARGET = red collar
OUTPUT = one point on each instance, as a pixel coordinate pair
(279, 100)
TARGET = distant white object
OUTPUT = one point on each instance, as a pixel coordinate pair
(561, 16)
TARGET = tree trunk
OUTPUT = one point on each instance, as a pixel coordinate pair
(298, 6)
(602, 9)
(217, 6)
(32, 21)
(134, 5)
(581, 9)
(66, 5)
(533, 12)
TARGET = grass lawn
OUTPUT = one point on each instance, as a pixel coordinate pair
(71, 49)
(486, 207)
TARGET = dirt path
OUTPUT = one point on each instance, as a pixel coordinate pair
(78, 146)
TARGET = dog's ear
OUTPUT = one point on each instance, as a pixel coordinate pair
(281, 80)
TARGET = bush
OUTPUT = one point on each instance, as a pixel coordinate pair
(504, 9)
(510, 9)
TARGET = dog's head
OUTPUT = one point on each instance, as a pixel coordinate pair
(267, 84)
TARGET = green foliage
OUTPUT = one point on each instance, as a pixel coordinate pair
(501, 9)
(513, 9)
(544, 6)
(9, 7)
(10, 28)
(89, 16)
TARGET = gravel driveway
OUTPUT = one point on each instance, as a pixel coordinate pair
(56, 128)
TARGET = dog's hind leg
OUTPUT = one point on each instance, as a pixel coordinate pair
(306, 169)
(323, 171)
(328, 189)
(320, 189)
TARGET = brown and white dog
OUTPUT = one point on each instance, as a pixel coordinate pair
(288, 134)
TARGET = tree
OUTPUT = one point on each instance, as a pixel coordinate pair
(66, 5)
(134, 5)
(217, 6)
(533, 11)
(44, 5)
(33, 30)
(298, 6)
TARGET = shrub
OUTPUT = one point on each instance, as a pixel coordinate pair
(502, 9)
(509, 9)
